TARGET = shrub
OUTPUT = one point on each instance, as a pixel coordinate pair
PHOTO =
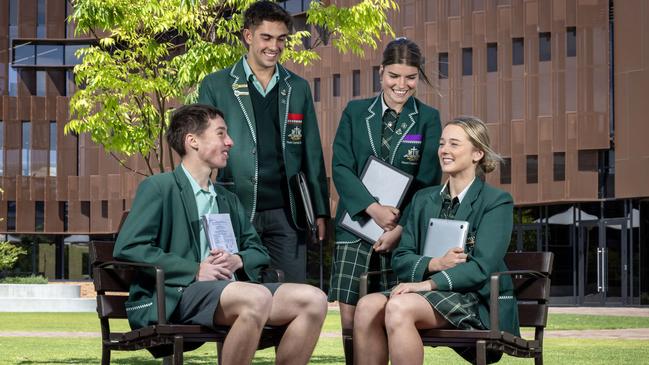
(32, 279)
(9, 254)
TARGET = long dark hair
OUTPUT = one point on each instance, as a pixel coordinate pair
(406, 52)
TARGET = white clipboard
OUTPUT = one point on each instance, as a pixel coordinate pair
(388, 185)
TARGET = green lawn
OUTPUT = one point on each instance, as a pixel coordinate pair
(88, 322)
(83, 350)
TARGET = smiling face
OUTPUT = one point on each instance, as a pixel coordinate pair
(398, 82)
(266, 42)
(457, 155)
(213, 145)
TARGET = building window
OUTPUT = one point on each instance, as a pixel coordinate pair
(356, 82)
(24, 54)
(316, 89)
(41, 30)
(545, 47)
(336, 84)
(467, 61)
(518, 51)
(376, 79)
(477, 5)
(587, 160)
(53, 148)
(49, 55)
(506, 171)
(13, 19)
(443, 65)
(39, 217)
(104, 208)
(2, 146)
(532, 169)
(571, 41)
(63, 214)
(40, 83)
(559, 166)
(492, 57)
(11, 216)
(26, 148)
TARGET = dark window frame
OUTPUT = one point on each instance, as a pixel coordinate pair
(518, 51)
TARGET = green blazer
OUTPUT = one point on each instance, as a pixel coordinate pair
(302, 151)
(162, 229)
(414, 150)
(489, 212)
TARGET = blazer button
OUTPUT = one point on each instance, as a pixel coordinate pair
(180, 290)
(254, 151)
(253, 180)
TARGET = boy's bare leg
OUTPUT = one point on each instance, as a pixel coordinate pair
(303, 308)
(244, 307)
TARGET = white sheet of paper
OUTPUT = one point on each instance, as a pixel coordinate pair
(220, 235)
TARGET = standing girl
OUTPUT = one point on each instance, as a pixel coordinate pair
(402, 131)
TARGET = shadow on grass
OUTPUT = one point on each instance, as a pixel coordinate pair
(140, 360)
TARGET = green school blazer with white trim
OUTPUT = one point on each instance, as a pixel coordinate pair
(489, 212)
(162, 229)
(228, 91)
(413, 150)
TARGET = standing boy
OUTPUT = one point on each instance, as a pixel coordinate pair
(270, 114)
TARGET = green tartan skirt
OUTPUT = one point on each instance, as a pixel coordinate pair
(350, 261)
(460, 310)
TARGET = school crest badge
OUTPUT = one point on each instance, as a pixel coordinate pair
(412, 155)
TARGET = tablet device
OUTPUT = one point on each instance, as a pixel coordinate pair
(444, 234)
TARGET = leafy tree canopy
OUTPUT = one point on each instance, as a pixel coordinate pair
(151, 54)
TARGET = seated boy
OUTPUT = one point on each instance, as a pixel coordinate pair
(163, 228)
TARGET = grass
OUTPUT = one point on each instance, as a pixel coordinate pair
(83, 350)
(88, 322)
(32, 350)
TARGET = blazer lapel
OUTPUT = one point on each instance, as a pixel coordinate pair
(406, 121)
(189, 204)
(466, 207)
(284, 99)
(437, 203)
(373, 123)
(242, 94)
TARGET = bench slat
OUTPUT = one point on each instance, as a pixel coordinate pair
(532, 315)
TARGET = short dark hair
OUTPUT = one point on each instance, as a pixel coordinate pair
(192, 118)
(266, 10)
(406, 52)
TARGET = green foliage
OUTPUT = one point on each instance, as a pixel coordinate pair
(32, 279)
(151, 54)
(9, 254)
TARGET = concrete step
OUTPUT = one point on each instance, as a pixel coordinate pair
(39, 291)
(16, 304)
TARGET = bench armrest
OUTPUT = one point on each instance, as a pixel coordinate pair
(364, 280)
(494, 316)
(159, 282)
(269, 275)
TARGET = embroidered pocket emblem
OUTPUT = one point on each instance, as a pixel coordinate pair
(412, 155)
(296, 134)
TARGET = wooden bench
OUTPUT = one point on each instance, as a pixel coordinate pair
(530, 272)
(112, 279)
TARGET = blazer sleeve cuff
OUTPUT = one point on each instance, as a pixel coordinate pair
(443, 281)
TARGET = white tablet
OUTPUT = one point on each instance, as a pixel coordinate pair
(444, 234)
